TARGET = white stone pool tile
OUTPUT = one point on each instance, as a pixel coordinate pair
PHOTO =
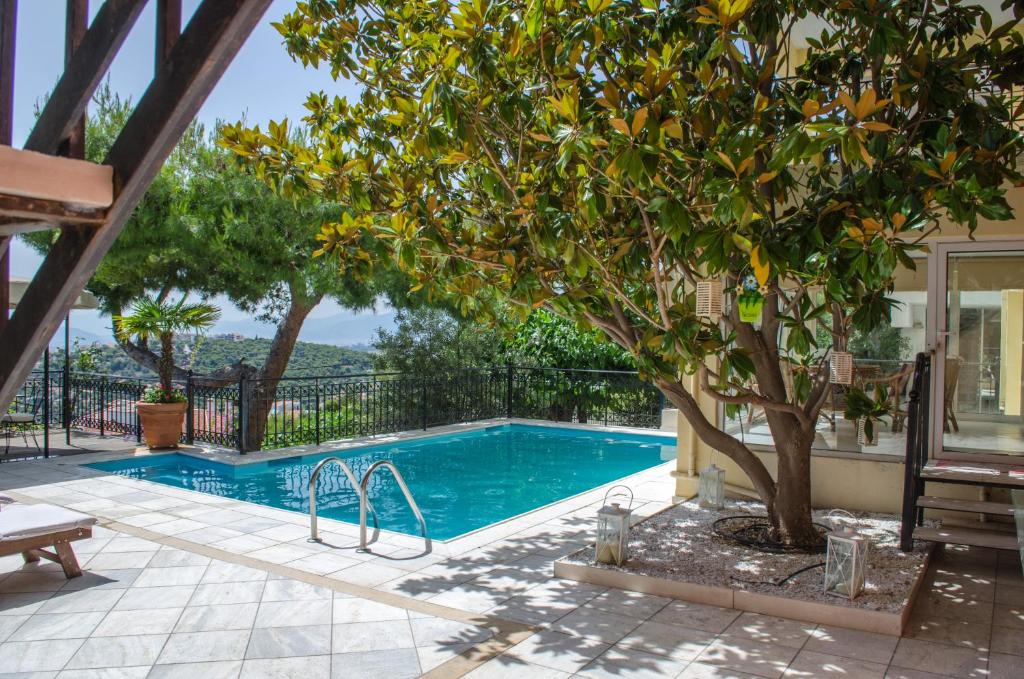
(280, 553)
(142, 598)
(37, 656)
(355, 609)
(221, 517)
(217, 617)
(344, 545)
(171, 556)
(284, 589)
(209, 535)
(145, 519)
(367, 574)
(177, 526)
(170, 575)
(117, 560)
(227, 593)
(133, 623)
(47, 626)
(243, 544)
(103, 652)
(321, 564)
(294, 613)
(232, 572)
(284, 532)
(253, 523)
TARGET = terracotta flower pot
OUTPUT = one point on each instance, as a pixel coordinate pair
(161, 423)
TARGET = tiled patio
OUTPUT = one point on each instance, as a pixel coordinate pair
(147, 610)
(177, 578)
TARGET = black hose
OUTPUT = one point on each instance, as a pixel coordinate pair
(778, 583)
(762, 545)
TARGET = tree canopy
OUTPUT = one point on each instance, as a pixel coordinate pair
(431, 339)
(601, 158)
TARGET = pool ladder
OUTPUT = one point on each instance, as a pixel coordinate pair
(364, 502)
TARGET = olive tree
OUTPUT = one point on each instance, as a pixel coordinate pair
(601, 158)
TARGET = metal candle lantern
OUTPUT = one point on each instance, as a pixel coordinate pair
(711, 492)
(710, 296)
(613, 530)
(841, 363)
(845, 559)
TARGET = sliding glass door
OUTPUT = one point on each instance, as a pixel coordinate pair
(978, 393)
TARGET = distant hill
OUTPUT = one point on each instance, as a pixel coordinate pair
(343, 329)
(339, 329)
(211, 353)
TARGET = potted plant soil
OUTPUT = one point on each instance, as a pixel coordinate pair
(162, 408)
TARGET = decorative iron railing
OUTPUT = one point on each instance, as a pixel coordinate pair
(255, 414)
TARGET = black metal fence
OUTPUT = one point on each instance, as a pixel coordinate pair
(257, 414)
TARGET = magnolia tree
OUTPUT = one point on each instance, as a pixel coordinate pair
(601, 158)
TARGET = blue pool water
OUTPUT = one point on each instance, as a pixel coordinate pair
(461, 482)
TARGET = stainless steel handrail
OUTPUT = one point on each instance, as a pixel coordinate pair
(359, 488)
(364, 502)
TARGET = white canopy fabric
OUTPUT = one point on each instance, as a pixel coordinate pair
(18, 286)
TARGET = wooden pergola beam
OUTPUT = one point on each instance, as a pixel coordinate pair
(76, 183)
(24, 215)
(202, 54)
(83, 74)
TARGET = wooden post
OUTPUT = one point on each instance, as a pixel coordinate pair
(76, 22)
(168, 28)
(8, 23)
(66, 381)
(46, 402)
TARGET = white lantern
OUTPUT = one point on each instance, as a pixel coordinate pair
(842, 367)
(613, 523)
(862, 434)
(845, 559)
(711, 492)
(710, 296)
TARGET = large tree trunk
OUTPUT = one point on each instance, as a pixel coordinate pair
(788, 500)
(262, 391)
(792, 515)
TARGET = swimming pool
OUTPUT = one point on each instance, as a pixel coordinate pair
(461, 482)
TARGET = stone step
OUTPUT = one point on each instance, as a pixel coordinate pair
(974, 506)
(958, 535)
(977, 473)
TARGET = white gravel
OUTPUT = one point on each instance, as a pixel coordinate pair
(679, 544)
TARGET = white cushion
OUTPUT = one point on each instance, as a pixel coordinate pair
(26, 521)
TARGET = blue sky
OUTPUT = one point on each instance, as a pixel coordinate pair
(263, 83)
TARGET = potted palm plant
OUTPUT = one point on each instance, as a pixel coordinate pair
(162, 408)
